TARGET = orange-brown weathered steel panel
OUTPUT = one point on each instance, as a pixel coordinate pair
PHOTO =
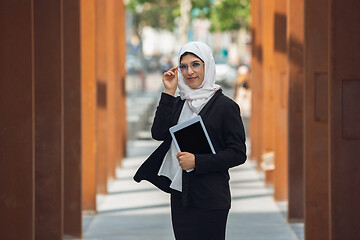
(111, 93)
(72, 118)
(120, 73)
(281, 101)
(344, 119)
(315, 120)
(295, 38)
(16, 133)
(254, 74)
(256, 84)
(88, 105)
(48, 120)
(101, 98)
(267, 16)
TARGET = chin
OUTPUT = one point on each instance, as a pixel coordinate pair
(194, 86)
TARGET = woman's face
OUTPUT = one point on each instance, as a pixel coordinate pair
(192, 68)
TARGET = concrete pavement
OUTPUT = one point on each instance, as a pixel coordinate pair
(133, 211)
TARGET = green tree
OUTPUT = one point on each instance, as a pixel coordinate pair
(159, 14)
(225, 15)
(229, 15)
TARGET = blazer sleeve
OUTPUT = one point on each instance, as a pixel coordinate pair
(234, 151)
(163, 117)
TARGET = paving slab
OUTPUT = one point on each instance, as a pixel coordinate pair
(139, 211)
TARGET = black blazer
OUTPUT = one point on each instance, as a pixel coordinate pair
(208, 185)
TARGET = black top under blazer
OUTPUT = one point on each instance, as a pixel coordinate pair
(208, 185)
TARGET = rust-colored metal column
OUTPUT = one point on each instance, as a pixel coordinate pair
(267, 19)
(316, 120)
(295, 38)
(88, 105)
(256, 84)
(72, 118)
(281, 101)
(344, 119)
(17, 186)
(111, 89)
(120, 73)
(101, 98)
(48, 58)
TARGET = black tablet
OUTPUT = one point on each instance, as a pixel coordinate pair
(191, 136)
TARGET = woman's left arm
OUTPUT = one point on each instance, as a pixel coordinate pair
(234, 152)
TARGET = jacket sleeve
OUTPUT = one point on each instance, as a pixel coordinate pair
(234, 151)
(163, 116)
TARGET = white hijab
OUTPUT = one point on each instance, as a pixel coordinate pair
(197, 98)
(195, 101)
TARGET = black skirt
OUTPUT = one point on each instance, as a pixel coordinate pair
(195, 223)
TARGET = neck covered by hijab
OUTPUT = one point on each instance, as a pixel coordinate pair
(197, 98)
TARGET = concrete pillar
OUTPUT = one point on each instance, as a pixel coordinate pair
(72, 118)
(268, 84)
(88, 105)
(344, 118)
(17, 159)
(295, 39)
(316, 120)
(101, 97)
(48, 73)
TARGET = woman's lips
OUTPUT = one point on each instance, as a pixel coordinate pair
(192, 79)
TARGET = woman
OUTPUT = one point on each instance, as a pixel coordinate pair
(198, 183)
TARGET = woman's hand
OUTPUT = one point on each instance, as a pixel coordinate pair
(170, 80)
(186, 160)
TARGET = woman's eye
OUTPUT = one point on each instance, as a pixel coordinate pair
(183, 66)
(196, 64)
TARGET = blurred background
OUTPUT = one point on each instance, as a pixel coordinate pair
(80, 81)
(156, 30)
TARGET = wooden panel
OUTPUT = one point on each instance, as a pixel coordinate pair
(299, 91)
(316, 132)
(101, 91)
(88, 105)
(280, 100)
(112, 90)
(120, 73)
(284, 89)
(72, 119)
(48, 120)
(268, 122)
(351, 109)
(256, 83)
(16, 121)
(344, 119)
(295, 38)
(101, 95)
(321, 96)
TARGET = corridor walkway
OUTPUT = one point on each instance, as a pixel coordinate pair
(133, 211)
(139, 211)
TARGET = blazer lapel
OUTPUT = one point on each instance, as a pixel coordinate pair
(178, 107)
(208, 105)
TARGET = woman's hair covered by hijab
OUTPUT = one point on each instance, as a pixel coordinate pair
(197, 98)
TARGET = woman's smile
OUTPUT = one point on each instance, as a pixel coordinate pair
(192, 78)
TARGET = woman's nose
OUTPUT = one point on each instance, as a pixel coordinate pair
(190, 69)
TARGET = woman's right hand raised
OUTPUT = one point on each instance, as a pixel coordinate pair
(170, 80)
